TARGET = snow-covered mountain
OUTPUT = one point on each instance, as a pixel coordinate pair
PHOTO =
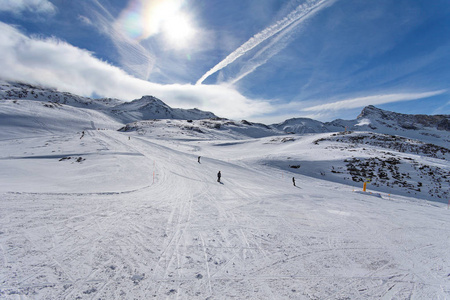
(301, 125)
(433, 129)
(88, 211)
(148, 107)
(403, 121)
(430, 129)
(23, 91)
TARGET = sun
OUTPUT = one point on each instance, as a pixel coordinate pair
(166, 19)
(178, 31)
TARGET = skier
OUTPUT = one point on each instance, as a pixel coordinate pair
(218, 176)
(198, 159)
(293, 180)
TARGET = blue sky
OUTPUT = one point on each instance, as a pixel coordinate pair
(260, 60)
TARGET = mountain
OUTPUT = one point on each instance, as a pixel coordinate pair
(23, 91)
(301, 125)
(431, 129)
(403, 121)
(373, 119)
(149, 107)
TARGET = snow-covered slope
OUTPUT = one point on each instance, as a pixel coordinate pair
(119, 215)
(24, 118)
(387, 163)
(206, 129)
(90, 212)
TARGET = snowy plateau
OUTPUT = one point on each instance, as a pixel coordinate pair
(106, 199)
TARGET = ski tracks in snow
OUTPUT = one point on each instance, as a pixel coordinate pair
(184, 236)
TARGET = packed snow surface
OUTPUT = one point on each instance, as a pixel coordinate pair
(112, 215)
(90, 212)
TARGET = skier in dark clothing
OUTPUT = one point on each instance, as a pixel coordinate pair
(218, 176)
(198, 159)
(293, 180)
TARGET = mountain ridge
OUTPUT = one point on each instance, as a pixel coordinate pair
(147, 107)
(429, 128)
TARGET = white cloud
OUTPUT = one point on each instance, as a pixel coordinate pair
(85, 20)
(19, 6)
(57, 64)
(372, 100)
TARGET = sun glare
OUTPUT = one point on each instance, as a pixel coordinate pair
(178, 31)
(143, 19)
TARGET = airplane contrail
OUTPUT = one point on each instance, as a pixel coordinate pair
(299, 13)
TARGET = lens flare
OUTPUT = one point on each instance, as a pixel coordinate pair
(142, 19)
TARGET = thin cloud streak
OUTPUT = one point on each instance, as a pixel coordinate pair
(298, 14)
(134, 57)
(372, 100)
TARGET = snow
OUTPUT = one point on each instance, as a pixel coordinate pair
(107, 228)
(134, 215)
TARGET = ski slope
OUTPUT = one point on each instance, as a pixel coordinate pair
(137, 217)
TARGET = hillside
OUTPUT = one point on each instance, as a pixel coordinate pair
(145, 108)
(96, 207)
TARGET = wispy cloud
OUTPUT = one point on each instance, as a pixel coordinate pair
(19, 6)
(134, 58)
(295, 17)
(372, 100)
(57, 64)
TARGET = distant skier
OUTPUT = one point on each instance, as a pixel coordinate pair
(82, 134)
(218, 176)
(293, 180)
(198, 159)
